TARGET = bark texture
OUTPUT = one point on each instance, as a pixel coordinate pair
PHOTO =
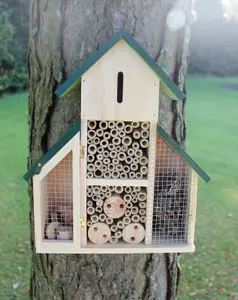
(62, 35)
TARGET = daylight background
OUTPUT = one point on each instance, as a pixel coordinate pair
(212, 105)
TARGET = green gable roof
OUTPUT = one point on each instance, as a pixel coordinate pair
(35, 169)
(167, 85)
(175, 146)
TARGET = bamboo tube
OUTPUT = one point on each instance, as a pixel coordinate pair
(118, 148)
(144, 170)
(118, 234)
(102, 217)
(126, 169)
(92, 149)
(139, 175)
(128, 189)
(104, 143)
(142, 204)
(90, 175)
(120, 125)
(136, 160)
(122, 134)
(133, 193)
(106, 135)
(145, 134)
(136, 188)
(106, 161)
(134, 167)
(94, 218)
(113, 228)
(98, 173)
(99, 233)
(113, 154)
(111, 167)
(111, 147)
(89, 223)
(143, 219)
(108, 194)
(95, 198)
(129, 160)
(109, 221)
(89, 203)
(99, 209)
(104, 168)
(127, 140)
(111, 188)
(136, 134)
(100, 202)
(127, 198)
(107, 174)
(89, 194)
(142, 212)
(90, 210)
(126, 220)
(90, 158)
(134, 200)
(120, 225)
(91, 167)
(143, 160)
(111, 124)
(142, 196)
(99, 132)
(92, 124)
(129, 205)
(89, 187)
(106, 153)
(128, 213)
(128, 128)
(121, 156)
(144, 143)
(90, 141)
(124, 148)
(138, 153)
(101, 195)
(100, 149)
(113, 239)
(96, 190)
(91, 134)
(135, 124)
(134, 210)
(132, 175)
(103, 125)
(135, 146)
(96, 141)
(115, 161)
(145, 125)
(115, 174)
(103, 188)
(114, 207)
(116, 141)
(123, 175)
(119, 189)
(131, 152)
(133, 233)
(119, 167)
(99, 156)
(114, 133)
(135, 218)
(98, 164)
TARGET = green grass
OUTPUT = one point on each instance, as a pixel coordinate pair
(209, 273)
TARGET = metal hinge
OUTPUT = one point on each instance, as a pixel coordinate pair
(82, 223)
(81, 151)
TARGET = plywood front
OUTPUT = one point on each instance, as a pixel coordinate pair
(140, 87)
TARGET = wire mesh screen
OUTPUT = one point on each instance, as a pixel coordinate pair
(58, 201)
(117, 150)
(171, 197)
(116, 214)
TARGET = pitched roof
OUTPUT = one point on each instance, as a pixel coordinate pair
(167, 85)
(36, 167)
(175, 146)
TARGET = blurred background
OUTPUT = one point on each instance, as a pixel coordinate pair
(212, 117)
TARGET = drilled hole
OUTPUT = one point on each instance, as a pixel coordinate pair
(136, 227)
(122, 206)
(132, 238)
(104, 236)
(109, 206)
(95, 229)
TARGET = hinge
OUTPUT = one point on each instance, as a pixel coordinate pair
(81, 151)
(82, 223)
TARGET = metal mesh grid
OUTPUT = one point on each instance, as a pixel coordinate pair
(58, 201)
(171, 197)
(116, 214)
(117, 149)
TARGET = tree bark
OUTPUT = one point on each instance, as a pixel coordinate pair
(62, 35)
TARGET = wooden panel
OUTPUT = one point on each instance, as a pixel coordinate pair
(193, 206)
(38, 211)
(140, 87)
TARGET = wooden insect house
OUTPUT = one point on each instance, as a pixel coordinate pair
(117, 182)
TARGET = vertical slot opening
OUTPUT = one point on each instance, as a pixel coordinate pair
(120, 87)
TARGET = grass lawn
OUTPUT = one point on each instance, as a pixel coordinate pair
(209, 273)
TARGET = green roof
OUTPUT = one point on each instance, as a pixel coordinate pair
(167, 85)
(36, 168)
(175, 146)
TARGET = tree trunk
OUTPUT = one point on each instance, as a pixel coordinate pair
(62, 35)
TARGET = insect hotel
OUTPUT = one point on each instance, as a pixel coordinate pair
(116, 182)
